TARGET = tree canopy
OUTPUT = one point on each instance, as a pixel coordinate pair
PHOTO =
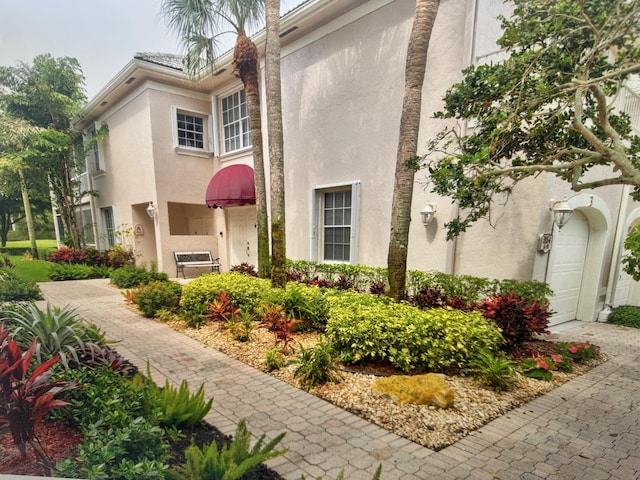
(550, 106)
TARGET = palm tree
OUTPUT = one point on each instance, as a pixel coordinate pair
(199, 24)
(276, 150)
(415, 67)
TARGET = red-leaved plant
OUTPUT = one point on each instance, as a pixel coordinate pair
(516, 316)
(274, 318)
(222, 309)
(26, 399)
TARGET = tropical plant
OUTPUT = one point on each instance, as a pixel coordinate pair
(578, 351)
(547, 108)
(178, 406)
(406, 158)
(57, 331)
(26, 398)
(275, 319)
(198, 24)
(518, 319)
(273, 359)
(232, 461)
(497, 371)
(246, 269)
(538, 368)
(222, 309)
(315, 365)
(241, 326)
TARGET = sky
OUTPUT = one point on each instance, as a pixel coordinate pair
(103, 35)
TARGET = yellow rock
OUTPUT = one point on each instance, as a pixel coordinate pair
(427, 389)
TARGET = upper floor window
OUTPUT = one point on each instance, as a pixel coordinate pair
(190, 130)
(235, 122)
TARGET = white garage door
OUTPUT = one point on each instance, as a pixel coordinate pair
(569, 256)
(243, 236)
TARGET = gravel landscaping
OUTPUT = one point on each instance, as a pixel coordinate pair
(474, 405)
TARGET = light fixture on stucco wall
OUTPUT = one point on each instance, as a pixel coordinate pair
(561, 211)
(428, 213)
(151, 210)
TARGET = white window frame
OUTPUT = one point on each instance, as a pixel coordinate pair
(109, 231)
(317, 227)
(221, 130)
(206, 149)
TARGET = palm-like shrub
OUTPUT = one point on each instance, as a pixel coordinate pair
(57, 331)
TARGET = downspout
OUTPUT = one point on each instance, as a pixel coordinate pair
(615, 255)
(452, 245)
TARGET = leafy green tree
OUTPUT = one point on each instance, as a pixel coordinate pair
(549, 107)
(631, 261)
(406, 159)
(47, 95)
(199, 24)
(276, 142)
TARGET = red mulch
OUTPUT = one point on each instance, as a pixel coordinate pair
(58, 440)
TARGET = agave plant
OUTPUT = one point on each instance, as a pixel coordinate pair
(57, 331)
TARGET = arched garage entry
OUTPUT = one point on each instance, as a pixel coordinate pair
(576, 261)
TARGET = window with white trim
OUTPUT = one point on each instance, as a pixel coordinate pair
(109, 225)
(334, 223)
(235, 122)
(191, 130)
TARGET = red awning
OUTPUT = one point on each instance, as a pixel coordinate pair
(231, 186)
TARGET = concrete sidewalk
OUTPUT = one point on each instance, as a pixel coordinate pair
(588, 428)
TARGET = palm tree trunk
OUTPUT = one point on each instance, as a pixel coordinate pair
(276, 150)
(29, 217)
(423, 21)
(246, 63)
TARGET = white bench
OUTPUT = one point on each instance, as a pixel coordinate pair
(195, 260)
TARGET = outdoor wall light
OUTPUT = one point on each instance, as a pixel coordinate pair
(561, 211)
(428, 213)
(151, 210)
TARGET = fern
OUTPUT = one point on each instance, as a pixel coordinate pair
(231, 461)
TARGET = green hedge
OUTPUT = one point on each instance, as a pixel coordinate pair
(468, 288)
(365, 327)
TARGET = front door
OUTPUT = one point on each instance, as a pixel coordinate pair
(243, 236)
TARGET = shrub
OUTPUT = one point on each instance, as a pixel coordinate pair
(518, 319)
(66, 255)
(25, 398)
(57, 331)
(14, 288)
(230, 462)
(246, 293)
(121, 438)
(246, 269)
(364, 327)
(626, 315)
(578, 351)
(156, 295)
(70, 271)
(306, 303)
(497, 371)
(132, 276)
(117, 257)
(315, 365)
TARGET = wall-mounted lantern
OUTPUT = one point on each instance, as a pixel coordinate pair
(428, 213)
(561, 211)
(151, 210)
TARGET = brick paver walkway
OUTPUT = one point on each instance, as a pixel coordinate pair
(588, 428)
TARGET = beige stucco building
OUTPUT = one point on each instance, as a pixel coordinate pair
(342, 83)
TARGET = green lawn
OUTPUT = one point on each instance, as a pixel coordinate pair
(35, 270)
